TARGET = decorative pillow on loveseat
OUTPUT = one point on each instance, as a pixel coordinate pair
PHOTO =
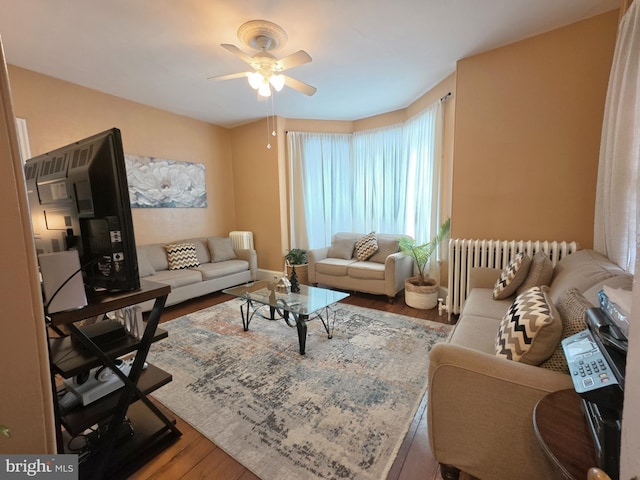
(512, 276)
(530, 331)
(366, 246)
(181, 255)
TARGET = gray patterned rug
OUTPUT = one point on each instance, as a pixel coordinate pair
(340, 411)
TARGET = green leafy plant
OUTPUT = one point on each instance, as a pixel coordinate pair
(296, 256)
(422, 253)
(5, 431)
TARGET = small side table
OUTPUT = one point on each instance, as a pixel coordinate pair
(561, 429)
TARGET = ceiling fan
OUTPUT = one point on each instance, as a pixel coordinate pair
(267, 69)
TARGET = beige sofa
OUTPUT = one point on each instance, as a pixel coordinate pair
(337, 266)
(217, 265)
(479, 404)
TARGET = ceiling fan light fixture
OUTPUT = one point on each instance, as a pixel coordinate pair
(255, 80)
(264, 90)
(277, 81)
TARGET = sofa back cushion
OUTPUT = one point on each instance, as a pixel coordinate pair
(157, 256)
(145, 268)
(202, 250)
(582, 270)
(221, 249)
(342, 245)
(388, 244)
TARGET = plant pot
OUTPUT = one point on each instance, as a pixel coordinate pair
(423, 297)
(301, 272)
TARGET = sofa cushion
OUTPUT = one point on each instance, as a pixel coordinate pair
(582, 270)
(531, 329)
(366, 270)
(177, 278)
(572, 307)
(334, 266)
(222, 269)
(366, 246)
(480, 303)
(386, 246)
(540, 272)
(221, 249)
(512, 276)
(144, 266)
(476, 333)
(181, 256)
(342, 246)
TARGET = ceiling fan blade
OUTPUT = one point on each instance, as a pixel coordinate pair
(231, 76)
(237, 52)
(299, 58)
(298, 85)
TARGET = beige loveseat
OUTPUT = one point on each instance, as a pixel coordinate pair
(480, 405)
(337, 265)
(213, 264)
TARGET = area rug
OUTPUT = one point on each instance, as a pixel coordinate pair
(340, 411)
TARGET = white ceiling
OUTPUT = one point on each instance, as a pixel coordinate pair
(369, 56)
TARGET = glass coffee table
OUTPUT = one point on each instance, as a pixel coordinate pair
(296, 309)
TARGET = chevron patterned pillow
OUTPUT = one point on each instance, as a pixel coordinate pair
(366, 246)
(531, 329)
(512, 276)
(181, 255)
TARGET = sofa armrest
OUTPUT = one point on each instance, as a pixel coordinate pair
(479, 404)
(249, 255)
(397, 268)
(314, 256)
(483, 277)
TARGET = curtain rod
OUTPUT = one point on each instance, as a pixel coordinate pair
(444, 98)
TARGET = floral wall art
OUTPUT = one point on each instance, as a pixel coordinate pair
(154, 182)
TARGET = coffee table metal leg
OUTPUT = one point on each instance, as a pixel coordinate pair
(301, 324)
(330, 321)
(245, 317)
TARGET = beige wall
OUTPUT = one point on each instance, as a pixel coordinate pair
(59, 112)
(527, 134)
(26, 403)
(256, 180)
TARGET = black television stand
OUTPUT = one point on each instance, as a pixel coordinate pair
(131, 427)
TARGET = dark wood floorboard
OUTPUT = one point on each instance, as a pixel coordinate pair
(194, 456)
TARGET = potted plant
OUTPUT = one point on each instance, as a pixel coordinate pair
(421, 291)
(297, 258)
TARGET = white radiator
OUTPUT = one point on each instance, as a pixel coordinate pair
(464, 254)
(242, 240)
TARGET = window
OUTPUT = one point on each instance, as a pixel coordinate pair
(384, 180)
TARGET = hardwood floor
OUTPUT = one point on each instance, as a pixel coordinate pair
(194, 456)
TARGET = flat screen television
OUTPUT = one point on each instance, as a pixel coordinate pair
(79, 200)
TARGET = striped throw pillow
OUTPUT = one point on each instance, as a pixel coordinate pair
(181, 255)
(366, 246)
(530, 331)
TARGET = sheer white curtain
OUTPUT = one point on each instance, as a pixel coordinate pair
(616, 214)
(385, 180)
